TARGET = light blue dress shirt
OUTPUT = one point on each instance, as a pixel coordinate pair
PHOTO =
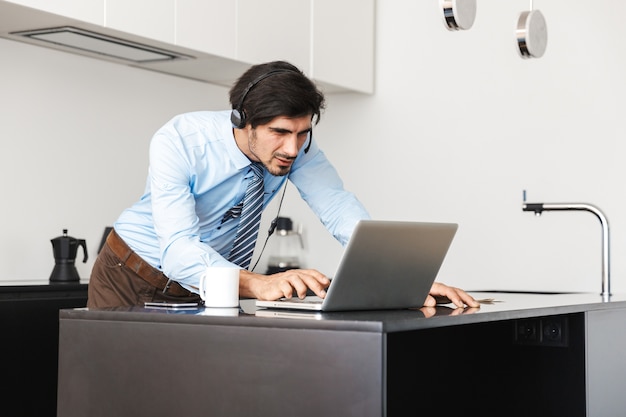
(196, 174)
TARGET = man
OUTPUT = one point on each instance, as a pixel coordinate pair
(197, 197)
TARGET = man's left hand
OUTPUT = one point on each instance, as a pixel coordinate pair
(455, 295)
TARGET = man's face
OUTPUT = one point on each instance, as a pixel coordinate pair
(277, 143)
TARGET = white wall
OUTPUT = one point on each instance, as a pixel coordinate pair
(458, 127)
(75, 133)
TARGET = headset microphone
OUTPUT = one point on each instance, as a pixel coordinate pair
(308, 145)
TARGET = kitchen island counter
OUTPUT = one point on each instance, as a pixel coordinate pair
(520, 354)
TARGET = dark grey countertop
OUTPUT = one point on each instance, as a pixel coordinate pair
(14, 290)
(505, 306)
(39, 283)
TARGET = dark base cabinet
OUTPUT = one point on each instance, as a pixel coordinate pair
(484, 370)
(29, 322)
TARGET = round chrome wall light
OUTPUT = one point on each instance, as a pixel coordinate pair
(458, 14)
(532, 34)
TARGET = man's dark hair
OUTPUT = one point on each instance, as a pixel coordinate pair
(286, 92)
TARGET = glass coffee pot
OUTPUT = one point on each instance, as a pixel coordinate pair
(287, 249)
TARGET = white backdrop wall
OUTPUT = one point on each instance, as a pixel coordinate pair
(458, 126)
(75, 134)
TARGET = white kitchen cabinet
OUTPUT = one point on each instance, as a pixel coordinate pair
(343, 43)
(271, 30)
(91, 11)
(153, 19)
(215, 40)
(250, 31)
(207, 26)
(332, 41)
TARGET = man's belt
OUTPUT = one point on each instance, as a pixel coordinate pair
(143, 269)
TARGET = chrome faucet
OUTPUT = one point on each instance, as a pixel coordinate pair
(539, 208)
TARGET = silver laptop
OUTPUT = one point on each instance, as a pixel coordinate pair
(386, 265)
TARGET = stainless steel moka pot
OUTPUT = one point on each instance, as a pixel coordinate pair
(64, 249)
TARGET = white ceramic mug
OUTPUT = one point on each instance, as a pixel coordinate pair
(219, 287)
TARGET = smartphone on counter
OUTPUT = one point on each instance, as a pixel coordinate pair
(171, 304)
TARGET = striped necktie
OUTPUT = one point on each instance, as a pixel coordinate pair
(245, 240)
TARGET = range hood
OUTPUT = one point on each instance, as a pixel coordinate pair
(97, 43)
(61, 33)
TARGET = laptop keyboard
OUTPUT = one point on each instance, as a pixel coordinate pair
(311, 299)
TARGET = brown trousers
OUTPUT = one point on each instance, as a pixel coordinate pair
(113, 284)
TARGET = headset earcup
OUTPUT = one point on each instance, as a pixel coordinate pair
(238, 118)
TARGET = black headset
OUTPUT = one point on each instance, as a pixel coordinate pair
(238, 115)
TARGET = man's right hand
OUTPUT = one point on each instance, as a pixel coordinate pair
(282, 284)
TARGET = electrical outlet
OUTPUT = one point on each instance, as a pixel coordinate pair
(542, 331)
(554, 331)
(527, 331)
